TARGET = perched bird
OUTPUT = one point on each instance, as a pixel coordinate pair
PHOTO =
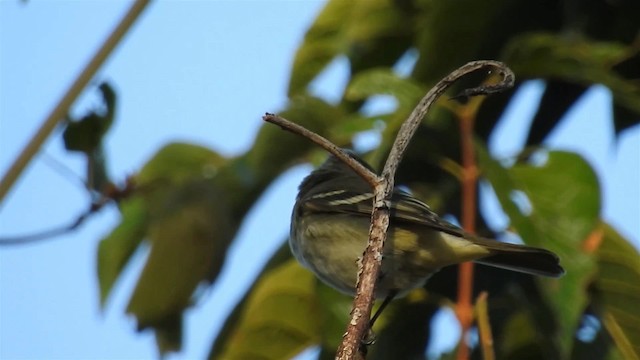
(330, 226)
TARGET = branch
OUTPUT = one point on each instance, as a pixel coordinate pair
(59, 112)
(47, 234)
(285, 124)
(110, 193)
(383, 187)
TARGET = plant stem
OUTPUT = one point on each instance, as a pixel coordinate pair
(464, 308)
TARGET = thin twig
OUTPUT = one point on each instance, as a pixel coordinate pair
(285, 124)
(59, 112)
(48, 234)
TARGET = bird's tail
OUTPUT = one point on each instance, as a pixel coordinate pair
(521, 258)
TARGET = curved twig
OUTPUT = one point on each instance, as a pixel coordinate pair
(383, 187)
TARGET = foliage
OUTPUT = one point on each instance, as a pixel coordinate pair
(189, 202)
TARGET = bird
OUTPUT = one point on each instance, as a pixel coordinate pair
(329, 231)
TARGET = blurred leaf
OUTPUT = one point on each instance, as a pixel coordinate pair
(546, 211)
(577, 60)
(183, 213)
(384, 81)
(116, 249)
(189, 231)
(231, 324)
(86, 134)
(281, 317)
(617, 286)
(268, 161)
(451, 33)
(371, 33)
(378, 33)
(521, 340)
(335, 309)
(323, 41)
(179, 162)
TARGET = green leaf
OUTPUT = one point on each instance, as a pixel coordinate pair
(617, 286)
(322, 42)
(189, 232)
(85, 135)
(574, 59)
(281, 316)
(116, 249)
(178, 162)
(554, 204)
(384, 81)
(372, 33)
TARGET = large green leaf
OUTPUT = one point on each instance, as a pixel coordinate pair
(371, 33)
(322, 42)
(574, 59)
(553, 204)
(180, 209)
(178, 162)
(281, 317)
(617, 287)
(116, 249)
(189, 231)
(384, 81)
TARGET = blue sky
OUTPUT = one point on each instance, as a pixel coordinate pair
(200, 72)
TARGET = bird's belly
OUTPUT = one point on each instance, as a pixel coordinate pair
(408, 259)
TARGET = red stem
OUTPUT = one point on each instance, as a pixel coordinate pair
(464, 308)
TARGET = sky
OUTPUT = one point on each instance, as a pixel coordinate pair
(200, 72)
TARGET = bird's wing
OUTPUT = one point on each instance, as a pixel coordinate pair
(403, 208)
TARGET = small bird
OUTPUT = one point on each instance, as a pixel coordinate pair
(330, 226)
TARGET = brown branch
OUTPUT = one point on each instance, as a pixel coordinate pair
(48, 234)
(285, 124)
(59, 112)
(350, 348)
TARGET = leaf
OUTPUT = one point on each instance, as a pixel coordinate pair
(574, 59)
(183, 213)
(451, 33)
(553, 204)
(178, 162)
(189, 232)
(323, 41)
(85, 135)
(371, 33)
(281, 316)
(115, 250)
(282, 255)
(617, 287)
(384, 81)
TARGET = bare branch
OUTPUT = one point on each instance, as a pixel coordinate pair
(285, 124)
